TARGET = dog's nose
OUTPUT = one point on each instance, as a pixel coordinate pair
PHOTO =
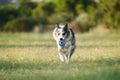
(61, 38)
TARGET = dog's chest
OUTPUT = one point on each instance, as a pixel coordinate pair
(65, 48)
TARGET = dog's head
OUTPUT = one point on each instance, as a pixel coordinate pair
(62, 31)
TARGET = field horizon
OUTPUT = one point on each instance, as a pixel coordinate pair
(30, 56)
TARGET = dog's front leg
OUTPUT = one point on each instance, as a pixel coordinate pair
(61, 57)
(60, 54)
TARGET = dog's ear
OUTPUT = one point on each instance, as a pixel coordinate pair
(66, 28)
(57, 25)
(66, 25)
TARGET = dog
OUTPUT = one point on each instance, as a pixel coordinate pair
(62, 32)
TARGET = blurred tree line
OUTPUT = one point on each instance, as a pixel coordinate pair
(82, 15)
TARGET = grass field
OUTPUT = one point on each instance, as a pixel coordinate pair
(29, 56)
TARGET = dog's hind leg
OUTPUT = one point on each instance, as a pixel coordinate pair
(69, 54)
(67, 58)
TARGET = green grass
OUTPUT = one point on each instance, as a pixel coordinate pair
(29, 56)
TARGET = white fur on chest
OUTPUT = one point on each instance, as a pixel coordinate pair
(64, 49)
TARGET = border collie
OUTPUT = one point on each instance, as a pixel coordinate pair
(62, 32)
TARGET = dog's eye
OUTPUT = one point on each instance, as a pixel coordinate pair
(63, 34)
(58, 34)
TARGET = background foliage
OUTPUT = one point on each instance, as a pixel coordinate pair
(82, 15)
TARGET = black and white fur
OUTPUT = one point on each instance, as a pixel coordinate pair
(62, 32)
